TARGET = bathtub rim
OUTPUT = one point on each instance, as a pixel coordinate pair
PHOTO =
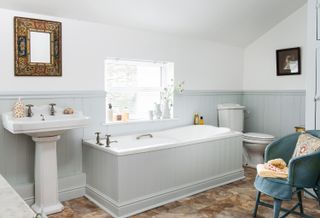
(230, 134)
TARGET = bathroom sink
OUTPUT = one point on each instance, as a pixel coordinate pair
(41, 124)
(45, 131)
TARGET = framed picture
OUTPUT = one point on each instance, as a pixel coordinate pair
(288, 62)
(37, 47)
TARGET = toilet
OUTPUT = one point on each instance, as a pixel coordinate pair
(254, 144)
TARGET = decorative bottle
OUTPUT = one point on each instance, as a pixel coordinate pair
(110, 113)
(166, 110)
(201, 121)
(19, 109)
(196, 119)
(157, 110)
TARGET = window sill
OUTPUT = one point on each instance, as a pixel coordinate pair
(114, 123)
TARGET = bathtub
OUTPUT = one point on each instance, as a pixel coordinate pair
(134, 175)
(162, 140)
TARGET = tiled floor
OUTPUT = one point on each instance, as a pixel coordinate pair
(233, 200)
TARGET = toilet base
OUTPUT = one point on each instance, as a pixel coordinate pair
(254, 159)
(253, 154)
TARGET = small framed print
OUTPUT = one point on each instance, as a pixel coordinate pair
(37, 47)
(288, 62)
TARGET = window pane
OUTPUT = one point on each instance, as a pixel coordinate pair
(135, 86)
(122, 100)
(137, 103)
(133, 75)
(120, 75)
(149, 76)
(145, 102)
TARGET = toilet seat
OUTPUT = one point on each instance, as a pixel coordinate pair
(254, 137)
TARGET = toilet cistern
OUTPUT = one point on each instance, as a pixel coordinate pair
(254, 144)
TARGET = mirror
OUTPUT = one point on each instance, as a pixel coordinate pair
(37, 47)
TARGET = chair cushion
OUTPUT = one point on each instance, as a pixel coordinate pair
(276, 188)
(306, 144)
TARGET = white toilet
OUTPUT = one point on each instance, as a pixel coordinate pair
(254, 144)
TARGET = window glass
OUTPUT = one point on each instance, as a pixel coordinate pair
(135, 86)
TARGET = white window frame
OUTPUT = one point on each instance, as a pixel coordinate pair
(165, 77)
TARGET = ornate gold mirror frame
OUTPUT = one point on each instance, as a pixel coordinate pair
(23, 27)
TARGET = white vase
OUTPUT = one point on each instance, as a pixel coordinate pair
(157, 110)
(165, 110)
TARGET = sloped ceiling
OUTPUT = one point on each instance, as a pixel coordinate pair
(234, 22)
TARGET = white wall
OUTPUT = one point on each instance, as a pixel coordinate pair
(260, 56)
(203, 65)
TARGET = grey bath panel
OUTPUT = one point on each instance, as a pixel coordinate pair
(127, 184)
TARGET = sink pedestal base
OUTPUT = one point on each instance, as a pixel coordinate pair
(46, 176)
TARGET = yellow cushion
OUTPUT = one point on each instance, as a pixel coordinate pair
(306, 144)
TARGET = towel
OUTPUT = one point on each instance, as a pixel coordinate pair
(273, 169)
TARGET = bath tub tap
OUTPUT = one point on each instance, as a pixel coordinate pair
(108, 141)
(98, 138)
(145, 135)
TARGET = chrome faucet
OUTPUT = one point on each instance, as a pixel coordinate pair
(145, 135)
(52, 110)
(98, 138)
(108, 141)
(29, 111)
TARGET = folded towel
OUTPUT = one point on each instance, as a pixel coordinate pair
(271, 171)
(279, 163)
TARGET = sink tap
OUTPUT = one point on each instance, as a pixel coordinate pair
(108, 141)
(29, 112)
(52, 110)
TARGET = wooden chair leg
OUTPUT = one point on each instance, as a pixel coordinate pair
(276, 207)
(317, 191)
(299, 193)
(257, 204)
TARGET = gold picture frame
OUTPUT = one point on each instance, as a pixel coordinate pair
(23, 27)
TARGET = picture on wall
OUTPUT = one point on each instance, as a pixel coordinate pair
(37, 47)
(288, 62)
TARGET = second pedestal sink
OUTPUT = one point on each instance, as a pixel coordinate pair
(45, 131)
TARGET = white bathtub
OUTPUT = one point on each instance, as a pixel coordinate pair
(134, 175)
(163, 139)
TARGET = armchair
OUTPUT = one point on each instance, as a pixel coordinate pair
(303, 174)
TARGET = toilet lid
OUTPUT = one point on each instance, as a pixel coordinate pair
(257, 136)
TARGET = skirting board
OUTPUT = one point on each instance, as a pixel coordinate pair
(159, 199)
(70, 187)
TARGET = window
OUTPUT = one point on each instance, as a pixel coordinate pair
(134, 86)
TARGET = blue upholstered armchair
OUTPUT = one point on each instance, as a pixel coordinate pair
(304, 173)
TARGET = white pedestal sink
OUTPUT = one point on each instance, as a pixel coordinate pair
(45, 131)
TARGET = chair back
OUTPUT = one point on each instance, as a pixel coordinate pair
(316, 133)
(282, 148)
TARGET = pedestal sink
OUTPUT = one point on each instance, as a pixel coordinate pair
(45, 131)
